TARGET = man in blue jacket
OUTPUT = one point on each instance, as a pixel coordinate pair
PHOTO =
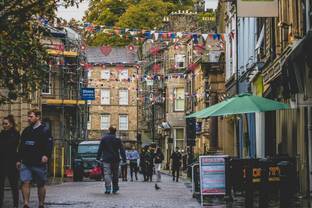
(110, 150)
(34, 152)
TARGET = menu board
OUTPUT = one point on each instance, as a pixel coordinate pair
(212, 175)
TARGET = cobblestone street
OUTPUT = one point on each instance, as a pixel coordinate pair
(132, 194)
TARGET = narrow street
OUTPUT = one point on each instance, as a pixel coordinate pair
(135, 194)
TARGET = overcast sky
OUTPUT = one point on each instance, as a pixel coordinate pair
(78, 13)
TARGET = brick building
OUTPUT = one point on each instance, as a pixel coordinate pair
(115, 79)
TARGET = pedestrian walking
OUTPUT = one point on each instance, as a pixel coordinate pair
(143, 163)
(9, 140)
(158, 159)
(133, 157)
(34, 152)
(149, 164)
(110, 150)
(176, 164)
(124, 169)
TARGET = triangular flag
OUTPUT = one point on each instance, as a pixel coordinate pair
(179, 34)
(204, 36)
(156, 35)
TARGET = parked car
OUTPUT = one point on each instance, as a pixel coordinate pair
(85, 160)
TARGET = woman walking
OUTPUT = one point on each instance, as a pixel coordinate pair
(159, 157)
(9, 140)
(143, 163)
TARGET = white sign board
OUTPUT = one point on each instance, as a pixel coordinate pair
(257, 8)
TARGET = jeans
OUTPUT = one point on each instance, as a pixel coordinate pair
(157, 169)
(134, 169)
(124, 172)
(111, 175)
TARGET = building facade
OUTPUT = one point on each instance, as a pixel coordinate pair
(115, 77)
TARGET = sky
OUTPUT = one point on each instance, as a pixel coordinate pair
(78, 13)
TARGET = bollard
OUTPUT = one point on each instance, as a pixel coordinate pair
(264, 184)
(249, 185)
(286, 184)
(228, 181)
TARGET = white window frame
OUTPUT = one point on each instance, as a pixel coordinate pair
(179, 58)
(104, 121)
(105, 98)
(123, 97)
(177, 98)
(89, 122)
(123, 124)
(105, 74)
(175, 137)
(123, 74)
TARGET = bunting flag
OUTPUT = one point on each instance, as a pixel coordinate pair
(205, 36)
(106, 50)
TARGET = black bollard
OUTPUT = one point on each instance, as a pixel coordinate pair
(264, 184)
(249, 185)
(228, 181)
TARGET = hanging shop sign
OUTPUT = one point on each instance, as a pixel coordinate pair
(257, 8)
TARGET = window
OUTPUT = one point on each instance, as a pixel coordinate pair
(105, 97)
(89, 123)
(123, 97)
(123, 74)
(105, 74)
(89, 74)
(123, 122)
(105, 121)
(179, 99)
(179, 61)
(179, 138)
(47, 85)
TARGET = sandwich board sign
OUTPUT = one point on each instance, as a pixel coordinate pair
(212, 175)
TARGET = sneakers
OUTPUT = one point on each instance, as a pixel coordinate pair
(108, 190)
(115, 190)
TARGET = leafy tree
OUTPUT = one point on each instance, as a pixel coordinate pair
(22, 56)
(106, 12)
(108, 39)
(145, 15)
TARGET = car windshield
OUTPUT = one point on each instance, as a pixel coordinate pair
(88, 149)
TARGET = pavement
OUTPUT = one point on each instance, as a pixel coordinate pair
(137, 194)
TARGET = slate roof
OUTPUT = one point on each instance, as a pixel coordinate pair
(116, 56)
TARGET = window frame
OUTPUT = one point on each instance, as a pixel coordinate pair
(119, 122)
(105, 74)
(102, 127)
(123, 100)
(179, 99)
(103, 99)
(121, 76)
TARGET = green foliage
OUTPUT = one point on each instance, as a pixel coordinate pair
(22, 57)
(106, 12)
(107, 39)
(145, 15)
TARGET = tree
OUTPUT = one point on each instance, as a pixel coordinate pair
(22, 56)
(106, 12)
(145, 15)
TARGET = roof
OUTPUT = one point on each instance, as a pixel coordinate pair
(90, 142)
(120, 55)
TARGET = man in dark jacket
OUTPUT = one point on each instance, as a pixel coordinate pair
(34, 151)
(110, 150)
(176, 164)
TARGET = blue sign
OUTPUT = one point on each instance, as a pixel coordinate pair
(198, 127)
(87, 93)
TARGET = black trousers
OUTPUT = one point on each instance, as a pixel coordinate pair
(134, 169)
(175, 174)
(10, 172)
(124, 172)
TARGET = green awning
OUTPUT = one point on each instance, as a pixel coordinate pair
(243, 103)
